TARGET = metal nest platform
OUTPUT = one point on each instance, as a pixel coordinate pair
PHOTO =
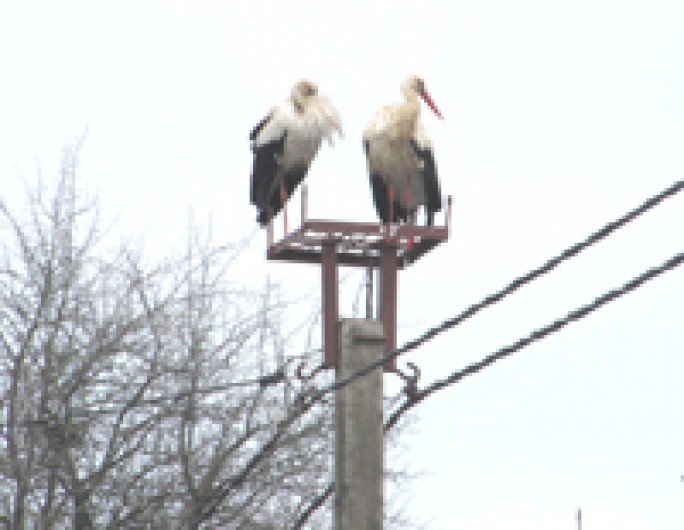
(356, 244)
(386, 247)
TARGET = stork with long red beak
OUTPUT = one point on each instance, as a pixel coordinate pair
(285, 143)
(401, 164)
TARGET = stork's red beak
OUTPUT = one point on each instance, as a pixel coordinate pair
(428, 100)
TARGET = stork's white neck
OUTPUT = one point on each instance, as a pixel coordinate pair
(409, 94)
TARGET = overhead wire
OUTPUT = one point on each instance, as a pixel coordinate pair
(503, 352)
(76, 415)
(227, 485)
(266, 380)
(609, 228)
(540, 333)
(514, 285)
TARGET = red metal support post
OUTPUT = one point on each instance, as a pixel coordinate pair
(356, 244)
(388, 298)
(330, 304)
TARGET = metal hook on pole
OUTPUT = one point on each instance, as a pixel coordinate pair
(410, 380)
(303, 377)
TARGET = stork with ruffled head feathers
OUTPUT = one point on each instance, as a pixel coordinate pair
(285, 143)
(401, 163)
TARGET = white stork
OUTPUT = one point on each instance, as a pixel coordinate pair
(284, 143)
(401, 165)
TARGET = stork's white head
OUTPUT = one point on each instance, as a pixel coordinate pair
(307, 100)
(414, 86)
(303, 92)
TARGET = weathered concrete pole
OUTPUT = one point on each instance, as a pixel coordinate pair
(359, 441)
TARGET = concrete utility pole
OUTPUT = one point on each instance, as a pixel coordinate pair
(359, 442)
(351, 344)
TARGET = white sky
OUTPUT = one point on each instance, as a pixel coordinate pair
(559, 116)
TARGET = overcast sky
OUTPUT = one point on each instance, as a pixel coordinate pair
(559, 116)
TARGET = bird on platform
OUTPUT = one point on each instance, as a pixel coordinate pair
(401, 163)
(285, 143)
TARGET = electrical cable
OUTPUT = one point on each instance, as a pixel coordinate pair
(513, 286)
(540, 333)
(228, 484)
(261, 382)
(503, 352)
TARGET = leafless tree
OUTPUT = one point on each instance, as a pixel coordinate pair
(129, 393)
(132, 395)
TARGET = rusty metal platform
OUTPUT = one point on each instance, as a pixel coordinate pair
(357, 244)
(387, 247)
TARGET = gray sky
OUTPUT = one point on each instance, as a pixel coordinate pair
(559, 116)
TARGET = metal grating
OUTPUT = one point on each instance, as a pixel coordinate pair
(387, 247)
(357, 244)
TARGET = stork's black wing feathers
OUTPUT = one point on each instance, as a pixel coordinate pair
(265, 188)
(258, 127)
(433, 194)
(264, 170)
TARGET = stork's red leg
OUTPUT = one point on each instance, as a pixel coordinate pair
(390, 197)
(407, 195)
(283, 200)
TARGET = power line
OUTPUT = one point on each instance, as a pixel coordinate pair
(539, 334)
(226, 486)
(315, 505)
(261, 382)
(503, 352)
(516, 284)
